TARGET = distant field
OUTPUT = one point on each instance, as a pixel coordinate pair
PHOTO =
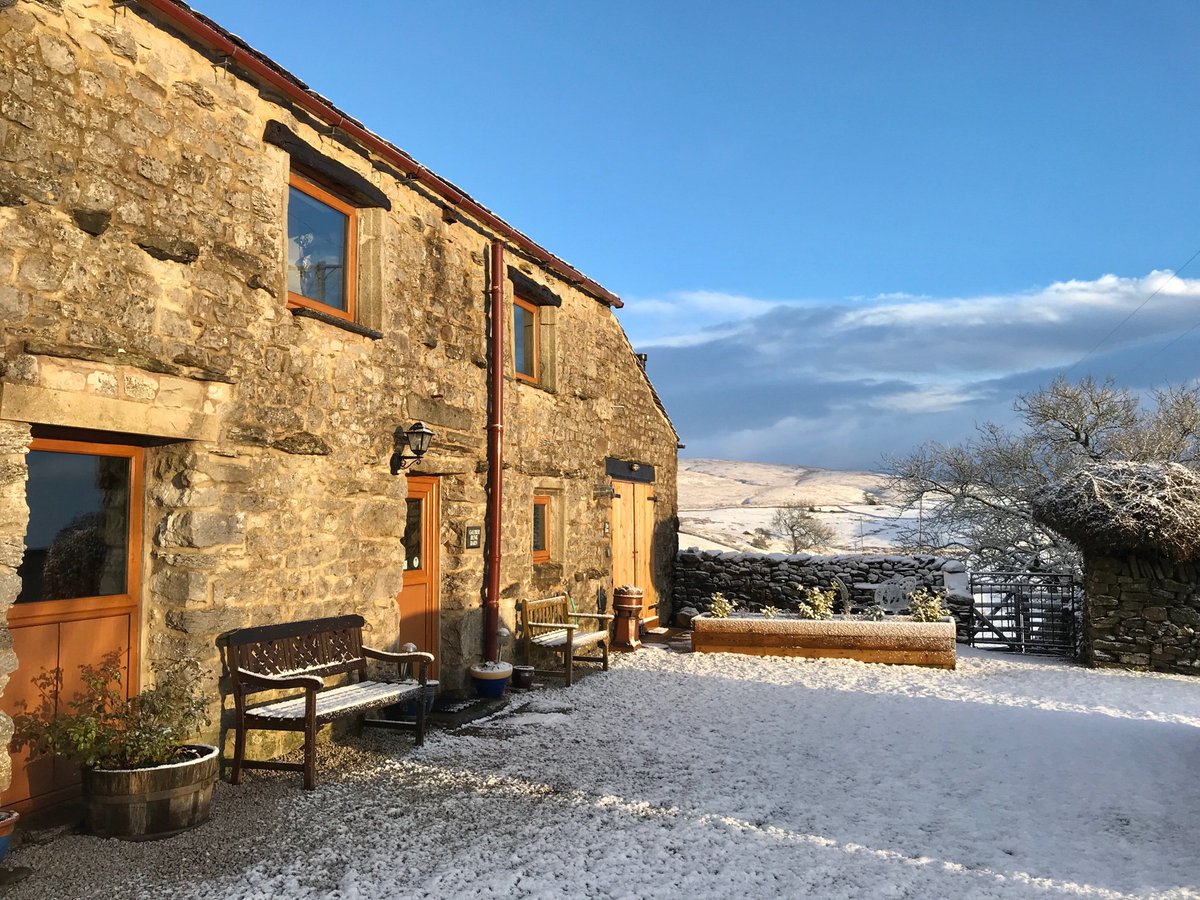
(722, 502)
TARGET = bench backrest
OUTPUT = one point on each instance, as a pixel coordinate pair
(549, 609)
(892, 594)
(311, 647)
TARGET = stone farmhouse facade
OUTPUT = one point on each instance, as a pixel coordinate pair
(220, 297)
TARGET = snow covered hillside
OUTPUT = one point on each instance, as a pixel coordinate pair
(722, 502)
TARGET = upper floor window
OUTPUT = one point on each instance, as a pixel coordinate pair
(525, 340)
(541, 528)
(320, 249)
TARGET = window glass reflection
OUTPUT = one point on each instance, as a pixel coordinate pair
(539, 528)
(316, 250)
(77, 544)
(412, 535)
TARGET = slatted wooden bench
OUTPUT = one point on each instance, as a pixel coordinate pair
(301, 655)
(550, 624)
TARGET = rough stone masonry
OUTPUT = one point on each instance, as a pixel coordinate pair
(143, 294)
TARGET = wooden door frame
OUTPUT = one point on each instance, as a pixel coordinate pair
(431, 528)
(47, 612)
(74, 609)
(628, 489)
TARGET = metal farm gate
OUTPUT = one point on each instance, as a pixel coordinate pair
(1024, 612)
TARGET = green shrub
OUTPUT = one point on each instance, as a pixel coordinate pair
(770, 612)
(875, 613)
(816, 603)
(101, 728)
(925, 605)
(720, 607)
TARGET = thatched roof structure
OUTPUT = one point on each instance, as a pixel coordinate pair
(1125, 507)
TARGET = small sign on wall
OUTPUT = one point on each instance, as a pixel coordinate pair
(474, 537)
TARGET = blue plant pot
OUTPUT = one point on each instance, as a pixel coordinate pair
(491, 679)
(407, 709)
(431, 692)
(8, 821)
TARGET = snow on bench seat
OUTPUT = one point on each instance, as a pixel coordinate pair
(290, 656)
(554, 639)
(333, 703)
(551, 624)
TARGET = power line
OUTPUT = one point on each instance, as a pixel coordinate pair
(1158, 290)
(1169, 344)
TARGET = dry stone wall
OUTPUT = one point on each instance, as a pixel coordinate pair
(755, 580)
(143, 293)
(1142, 613)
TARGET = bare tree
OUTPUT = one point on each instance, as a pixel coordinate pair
(799, 528)
(761, 539)
(973, 498)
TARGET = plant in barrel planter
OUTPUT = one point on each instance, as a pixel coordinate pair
(140, 779)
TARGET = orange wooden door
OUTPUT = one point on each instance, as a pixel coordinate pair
(419, 600)
(633, 543)
(80, 584)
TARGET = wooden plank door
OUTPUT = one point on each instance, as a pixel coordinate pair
(419, 600)
(80, 589)
(643, 550)
(633, 543)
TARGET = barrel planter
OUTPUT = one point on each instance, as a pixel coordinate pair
(897, 640)
(157, 802)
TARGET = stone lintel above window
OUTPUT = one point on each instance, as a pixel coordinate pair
(530, 291)
(354, 187)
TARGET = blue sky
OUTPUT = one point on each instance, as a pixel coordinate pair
(840, 229)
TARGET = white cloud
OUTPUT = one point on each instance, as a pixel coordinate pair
(829, 383)
(685, 318)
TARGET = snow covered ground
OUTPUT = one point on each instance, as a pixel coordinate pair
(722, 502)
(697, 775)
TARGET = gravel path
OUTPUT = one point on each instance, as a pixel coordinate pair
(720, 776)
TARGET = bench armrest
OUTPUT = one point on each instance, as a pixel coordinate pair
(601, 616)
(425, 659)
(278, 682)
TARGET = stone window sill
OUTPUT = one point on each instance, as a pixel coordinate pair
(536, 385)
(353, 327)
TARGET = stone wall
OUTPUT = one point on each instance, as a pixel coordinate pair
(143, 293)
(14, 439)
(1142, 613)
(755, 580)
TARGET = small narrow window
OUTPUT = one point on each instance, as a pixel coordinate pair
(320, 249)
(412, 535)
(525, 340)
(541, 529)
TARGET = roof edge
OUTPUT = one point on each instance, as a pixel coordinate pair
(255, 63)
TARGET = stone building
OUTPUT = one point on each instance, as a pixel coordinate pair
(220, 297)
(1138, 525)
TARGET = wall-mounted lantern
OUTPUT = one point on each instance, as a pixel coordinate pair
(415, 439)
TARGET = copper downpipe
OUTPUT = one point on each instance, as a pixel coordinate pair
(495, 494)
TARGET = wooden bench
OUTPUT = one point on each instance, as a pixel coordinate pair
(550, 624)
(302, 655)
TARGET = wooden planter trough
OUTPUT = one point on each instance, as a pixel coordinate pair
(897, 640)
